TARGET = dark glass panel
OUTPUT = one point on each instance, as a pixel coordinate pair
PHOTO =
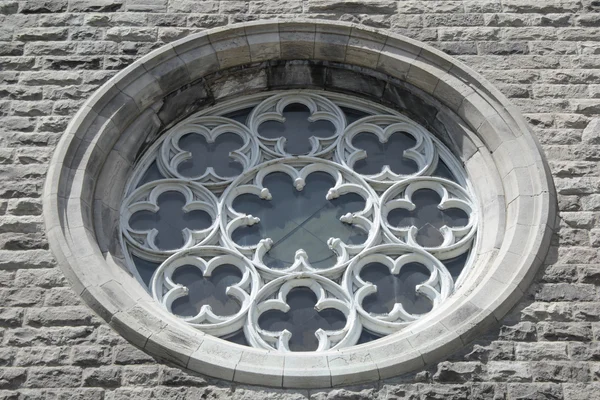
(428, 218)
(145, 269)
(238, 338)
(456, 265)
(302, 320)
(152, 174)
(210, 291)
(353, 115)
(170, 220)
(240, 116)
(297, 129)
(367, 336)
(214, 155)
(299, 220)
(392, 289)
(442, 171)
(381, 154)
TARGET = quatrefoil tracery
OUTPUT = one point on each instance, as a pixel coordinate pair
(146, 199)
(423, 153)
(437, 288)
(207, 259)
(262, 287)
(320, 109)
(273, 296)
(212, 130)
(456, 239)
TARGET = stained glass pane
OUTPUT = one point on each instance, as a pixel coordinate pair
(392, 289)
(428, 218)
(206, 290)
(302, 320)
(297, 129)
(240, 116)
(145, 269)
(353, 115)
(215, 155)
(299, 220)
(170, 220)
(443, 171)
(456, 265)
(152, 174)
(389, 153)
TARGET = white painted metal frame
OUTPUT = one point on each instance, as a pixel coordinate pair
(338, 286)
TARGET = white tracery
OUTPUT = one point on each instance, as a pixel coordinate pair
(338, 286)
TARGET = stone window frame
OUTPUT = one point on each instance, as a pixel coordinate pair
(93, 160)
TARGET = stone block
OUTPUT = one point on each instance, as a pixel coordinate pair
(297, 41)
(102, 377)
(53, 377)
(12, 378)
(95, 5)
(91, 355)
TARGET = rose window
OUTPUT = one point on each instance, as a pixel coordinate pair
(291, 222)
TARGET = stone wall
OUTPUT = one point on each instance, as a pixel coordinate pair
(544, 55)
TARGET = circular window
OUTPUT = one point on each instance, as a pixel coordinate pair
(293, 223)
(299, 204)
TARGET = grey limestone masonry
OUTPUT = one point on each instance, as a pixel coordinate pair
(544, 55)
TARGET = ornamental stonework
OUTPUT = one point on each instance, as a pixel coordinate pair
(280, 197)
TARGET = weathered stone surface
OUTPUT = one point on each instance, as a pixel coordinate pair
(12, 378)
(529, 391)
(509, 371)
(176, 377)
(521, 331)
(459, 372)
(128, 355)
(43, 6)
(565, 331)
(42, 356)
(566, 291)
(53, 377)
(494, 351)
(541, 351)
(143, 375)
(91, 355)
(102, 376)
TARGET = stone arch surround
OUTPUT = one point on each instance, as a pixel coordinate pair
(101, 143)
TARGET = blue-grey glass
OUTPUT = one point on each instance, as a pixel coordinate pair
(240, 116)
(238, 338)
(152, 174)
(428, 218)
(442, 171)
(367, 336)
(297, 129)
(145, 269)
(206, 291)
(380, 154)
(214, 155)
(456, 265)
(353, 115)
(299, 220)
(170, 220)
(392, 289)
(302, 320)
